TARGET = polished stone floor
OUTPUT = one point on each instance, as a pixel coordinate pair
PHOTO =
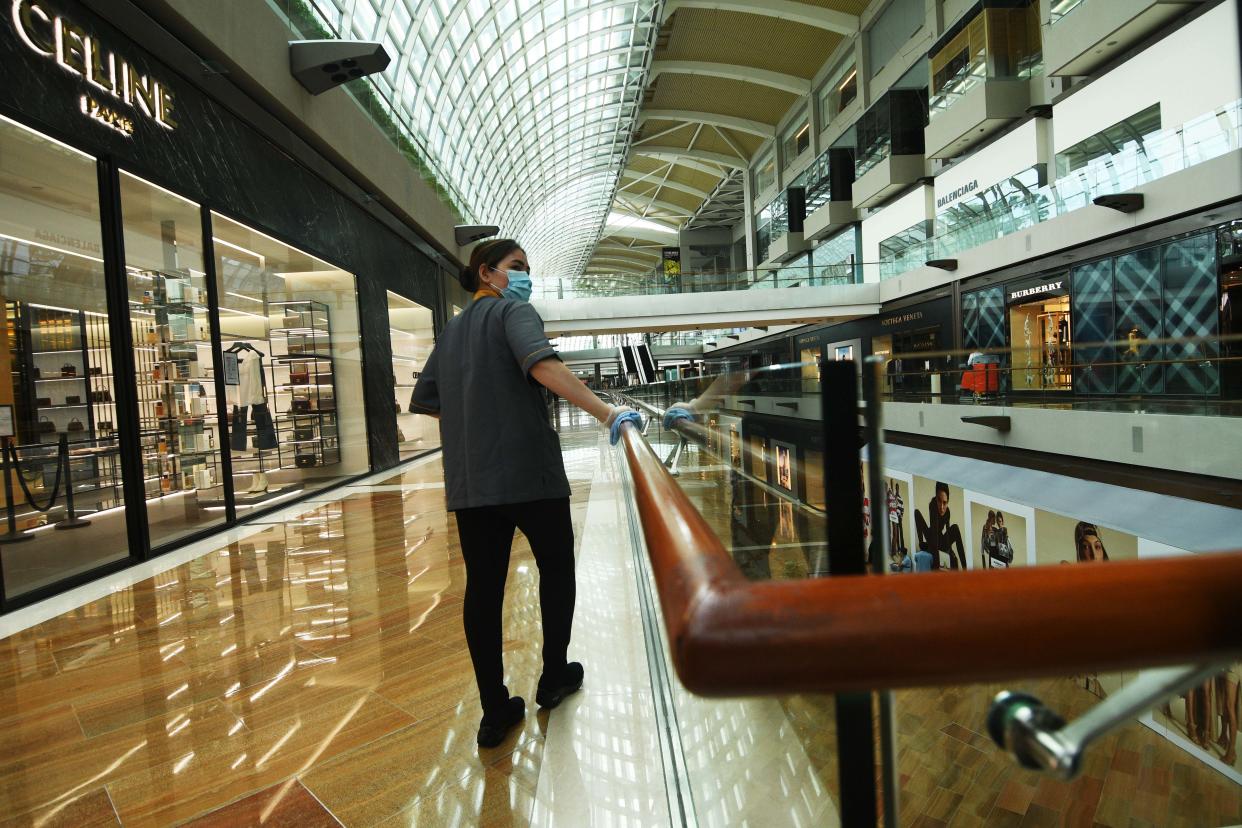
(311, 670)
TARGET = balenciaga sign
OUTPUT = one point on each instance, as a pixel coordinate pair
(953, 195)
(109, 77)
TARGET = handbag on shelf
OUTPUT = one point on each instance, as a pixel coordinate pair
(46, 426)
(75, 425)
(300, 405)
(303, 432)
(305, 461)
(43, 401)
(299, 375)
(68, 370)
(73, 399)
(96, 370)
(104, 426)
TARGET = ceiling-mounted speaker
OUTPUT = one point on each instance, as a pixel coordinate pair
(320, 65)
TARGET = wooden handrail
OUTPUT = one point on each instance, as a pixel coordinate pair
(731, 637)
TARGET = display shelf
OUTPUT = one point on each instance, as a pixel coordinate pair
(53, 407)
(59, 379)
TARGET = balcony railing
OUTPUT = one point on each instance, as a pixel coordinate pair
(589, 286)
(768, 586)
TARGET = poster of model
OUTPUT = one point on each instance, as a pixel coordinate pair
(890, 516)
(1001, 533)
(1063, 540)
(938, 511)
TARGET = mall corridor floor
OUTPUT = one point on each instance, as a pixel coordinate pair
(312, 669)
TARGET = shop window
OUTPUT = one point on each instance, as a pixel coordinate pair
(1191, 318)
(174, 372)
(55, 365)
(1095, 355)
(1139, 309)
(410, 325)
(1042, 355)
(983, 319)
(1229, 246)
(292, 367)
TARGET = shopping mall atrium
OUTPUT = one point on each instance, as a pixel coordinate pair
(536, 413)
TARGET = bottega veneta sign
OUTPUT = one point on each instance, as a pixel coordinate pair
(109, 76)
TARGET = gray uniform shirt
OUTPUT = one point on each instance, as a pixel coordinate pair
(498, 446)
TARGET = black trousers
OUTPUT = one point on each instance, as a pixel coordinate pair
(486, 535)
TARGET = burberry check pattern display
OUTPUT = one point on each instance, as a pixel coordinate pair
(1190, 316)
(983, 318)
(1093, 323)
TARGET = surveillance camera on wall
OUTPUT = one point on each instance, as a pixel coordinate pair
(320, 65)
(467, 233)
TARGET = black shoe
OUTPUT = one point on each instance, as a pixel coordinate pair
(552, 691)
(493, 730)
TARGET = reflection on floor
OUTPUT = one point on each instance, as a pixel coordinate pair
(318, 664)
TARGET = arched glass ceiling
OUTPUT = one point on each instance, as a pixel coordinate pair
(525, 106)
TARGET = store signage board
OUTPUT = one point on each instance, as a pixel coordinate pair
(110, 78)
(232, 376)
(6, 421)
(901, 319)
(1049, 288)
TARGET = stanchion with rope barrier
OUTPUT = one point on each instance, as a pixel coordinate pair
(12, 460)
(71, 519)
(13, 535)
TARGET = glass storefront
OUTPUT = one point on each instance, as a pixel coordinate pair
(292, 367)
(289, 369)
(1040, 330)
(56, 411)
(413, 337)
(173, 365)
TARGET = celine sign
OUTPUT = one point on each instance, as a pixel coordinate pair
(109, 76)
(1050, 287)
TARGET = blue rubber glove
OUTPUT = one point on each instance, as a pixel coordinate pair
(614, 430)
(675, 413)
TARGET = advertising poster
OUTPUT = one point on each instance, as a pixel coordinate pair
(1062, 540)
(892, 514)
(939, 510)
(784, 456)
(1000, 532)
(1204, 720)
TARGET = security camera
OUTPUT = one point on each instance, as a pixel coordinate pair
(320, 65)
(467, 233)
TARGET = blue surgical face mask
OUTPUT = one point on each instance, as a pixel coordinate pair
(520, 286)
